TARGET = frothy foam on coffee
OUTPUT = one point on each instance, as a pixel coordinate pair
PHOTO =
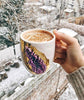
(37, 36)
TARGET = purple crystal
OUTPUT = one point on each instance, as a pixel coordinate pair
(35, 61)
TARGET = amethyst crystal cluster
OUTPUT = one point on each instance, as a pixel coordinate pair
(35, 61)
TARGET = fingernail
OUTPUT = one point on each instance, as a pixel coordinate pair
(54, 31)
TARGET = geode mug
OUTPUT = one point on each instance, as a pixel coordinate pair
(37, 54)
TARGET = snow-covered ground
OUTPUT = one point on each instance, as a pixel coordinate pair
(69, 94)
(15, 77)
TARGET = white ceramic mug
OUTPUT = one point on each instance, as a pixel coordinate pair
(37, 56)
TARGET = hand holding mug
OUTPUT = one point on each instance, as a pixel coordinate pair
(68, 53)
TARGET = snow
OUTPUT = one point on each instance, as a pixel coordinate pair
(28, 80)
(33, 4)
(47, 8)
(15, 76)
(69, 94)
(68, 10)
(3, 30)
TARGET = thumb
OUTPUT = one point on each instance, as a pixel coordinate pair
(61, 36)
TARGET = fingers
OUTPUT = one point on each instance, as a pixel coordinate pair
(60, 48)
(61, 36)
(59, 60)
(60, 53)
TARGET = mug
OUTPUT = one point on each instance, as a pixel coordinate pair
(37, 56)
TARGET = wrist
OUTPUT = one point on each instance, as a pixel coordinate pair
(75, 70)
(78, 66)
(81, 63)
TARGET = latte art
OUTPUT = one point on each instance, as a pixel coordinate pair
(37, 36)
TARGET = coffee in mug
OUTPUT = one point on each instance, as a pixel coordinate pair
(37, 36)
(37, 49)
